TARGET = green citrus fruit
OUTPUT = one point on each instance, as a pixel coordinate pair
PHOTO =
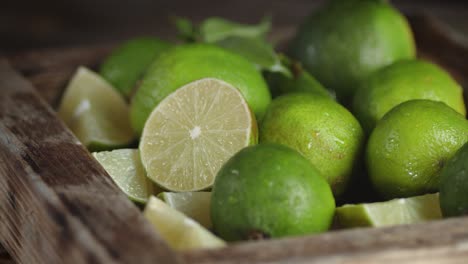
(402, 81)
(345, 41)
(127, 64)
(95, 112)
(320, 129)
(179, 231)
(187, 63)
(454, 184)
(125, 168)
(394, 212)
(410, 145)
(193, 132)
(195, 205)
(270, 190)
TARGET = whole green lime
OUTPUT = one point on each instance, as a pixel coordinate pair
(454, 184)
(127, 64)
(187, 63)
(320, 129)
(345, 41)
(411, 144)
(403, 81)
(270, 190)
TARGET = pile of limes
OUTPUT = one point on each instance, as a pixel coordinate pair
(253, 144)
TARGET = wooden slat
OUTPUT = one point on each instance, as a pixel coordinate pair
(435, 242)
(58, 205)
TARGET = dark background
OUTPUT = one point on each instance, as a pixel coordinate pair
(52, 23)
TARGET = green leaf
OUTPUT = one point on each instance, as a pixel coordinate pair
(217, 29)
(257, 51)
(185, 28)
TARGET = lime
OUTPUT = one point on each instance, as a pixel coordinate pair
(124, 167)
(195, 205)
(454, 184)
(270, 190)
(192, 132)
(403, 81)
(127, 64)
(320, 129)
(179, 231)
(394, 212)
(410, 145)
(187, 63)
(95, 112)
(345, 41)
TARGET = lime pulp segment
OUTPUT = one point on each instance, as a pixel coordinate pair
(394, 212)
(195, 205)
(178, 230)
(124, 167)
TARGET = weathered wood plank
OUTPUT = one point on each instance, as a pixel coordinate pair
(435, 242)
(58, 205)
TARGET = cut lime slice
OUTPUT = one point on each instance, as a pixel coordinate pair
(95, 112)
(124, 167)
(394, 212)
(179, 231)
(195, 205)
(192, 132)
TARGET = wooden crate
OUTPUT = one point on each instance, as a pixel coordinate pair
(57, 204)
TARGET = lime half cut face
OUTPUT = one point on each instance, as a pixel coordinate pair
(193, 132)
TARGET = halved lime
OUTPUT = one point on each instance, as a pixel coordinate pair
(124, 167)
(195, 205)
(394, 212)
(179, 231)
(95, 112)
(193, 131)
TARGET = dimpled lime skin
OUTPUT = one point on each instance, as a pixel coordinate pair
(409, 146)
(270, 190)
(127, 64)
(320, 129)
(454, 184)
(187, 63)
(403, 81)
(346, 40)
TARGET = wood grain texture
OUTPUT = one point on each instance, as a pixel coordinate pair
(57, 204)
(435, 242)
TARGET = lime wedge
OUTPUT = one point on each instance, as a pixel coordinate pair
(394, 212)
(95, 112)
(195, 205)
(193, 132)
(179, 231)
(124, 167)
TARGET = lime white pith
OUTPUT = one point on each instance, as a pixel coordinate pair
(95, 112)
(192, 132)
(178, 230)
(124, 167)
